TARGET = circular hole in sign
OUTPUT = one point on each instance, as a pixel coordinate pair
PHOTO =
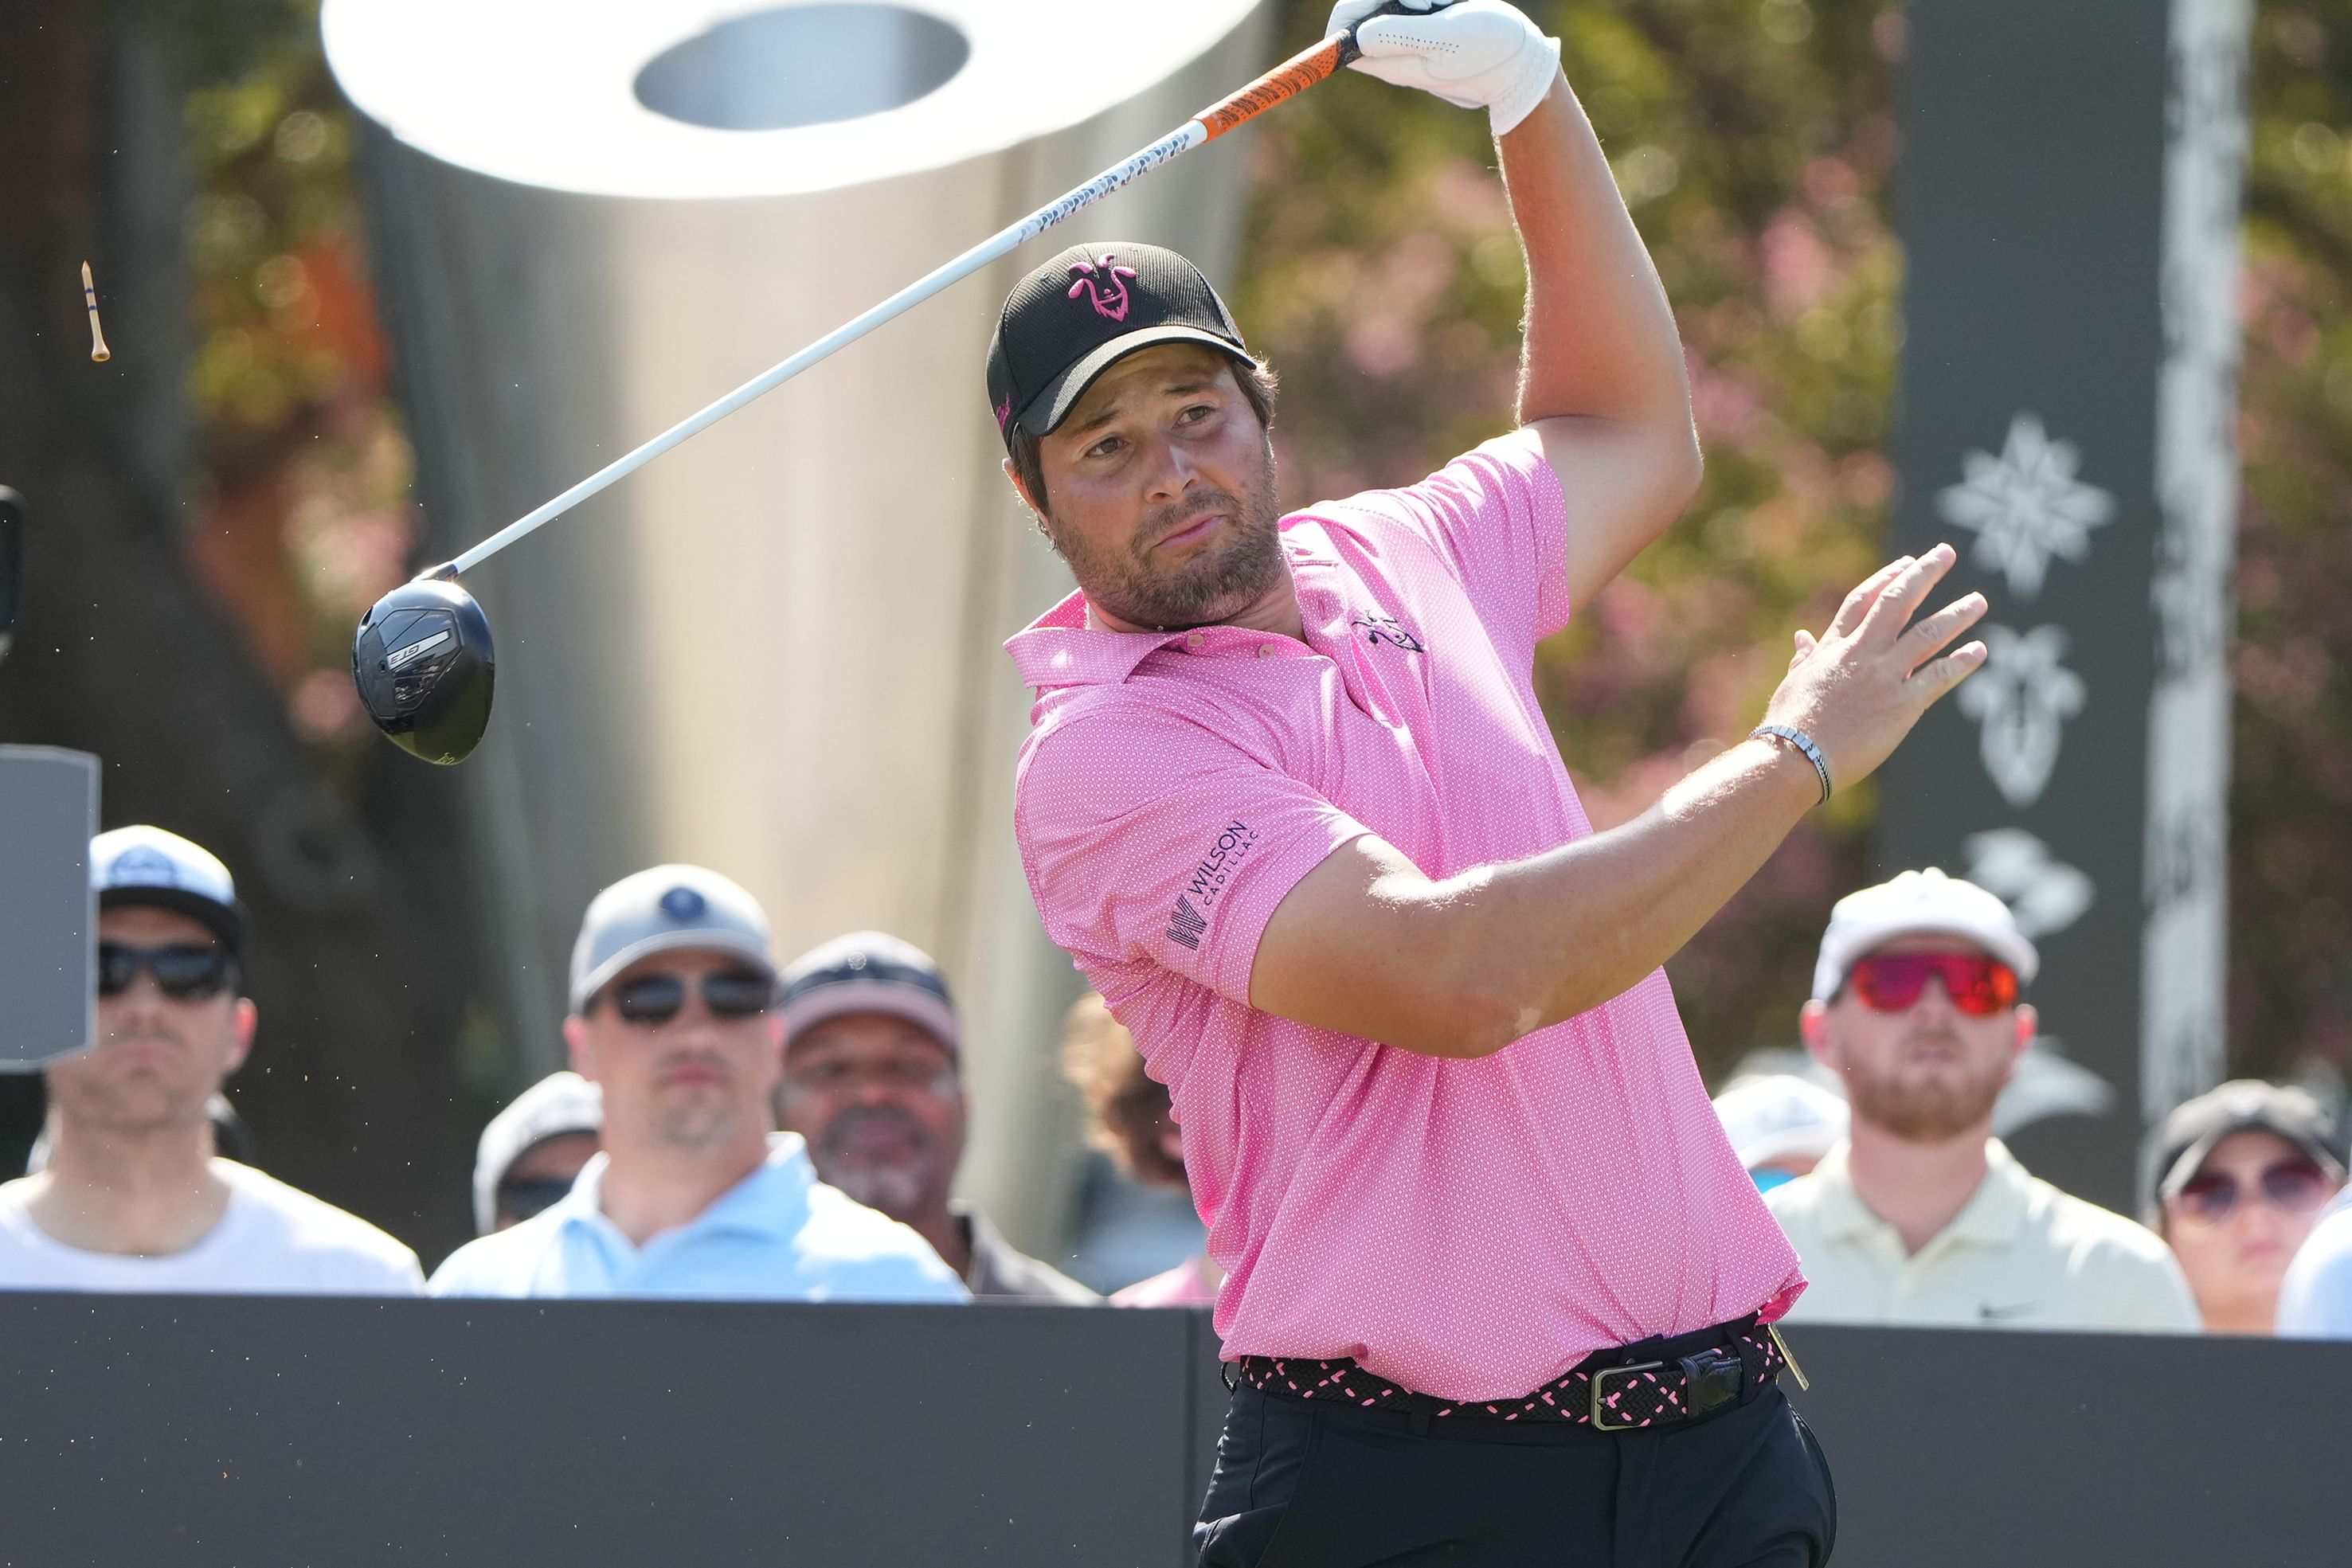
(802, 65)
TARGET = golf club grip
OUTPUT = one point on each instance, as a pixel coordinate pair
(1286, 80)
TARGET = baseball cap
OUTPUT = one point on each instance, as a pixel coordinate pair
(665, 909)
(146, 865)
(558, 1103)
(1064, 325)
(869, 972)
(1915, 903)
(2179, 1146)
(1779, 1116)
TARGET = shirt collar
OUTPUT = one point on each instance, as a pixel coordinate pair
(1059, 649)
(1991, 1214)
(771, 1201)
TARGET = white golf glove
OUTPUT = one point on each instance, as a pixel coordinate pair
(1479, 54)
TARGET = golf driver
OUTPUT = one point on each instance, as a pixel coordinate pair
(422, 659)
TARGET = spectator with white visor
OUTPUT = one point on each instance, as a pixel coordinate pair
(533, 1151)
(673, 1017)
(1923, 1217)
(134, 1196)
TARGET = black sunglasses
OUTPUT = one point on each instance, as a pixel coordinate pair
(2295, 1186)
(655, 998)
(183, 972)
(524, 1198)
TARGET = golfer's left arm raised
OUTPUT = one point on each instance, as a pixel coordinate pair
(1602, 379)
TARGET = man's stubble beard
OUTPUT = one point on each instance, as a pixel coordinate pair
(129, 1105)
(1924, 1110)
(1207, 589)
(898, 1190)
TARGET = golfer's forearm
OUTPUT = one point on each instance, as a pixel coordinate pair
(1367, 946)
(1553, 936)
(1601, 338)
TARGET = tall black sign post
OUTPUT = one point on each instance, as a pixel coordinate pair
(2070, 205)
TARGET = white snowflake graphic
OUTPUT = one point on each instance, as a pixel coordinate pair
(2045, 893)
(2021, 700)
(2026, 506)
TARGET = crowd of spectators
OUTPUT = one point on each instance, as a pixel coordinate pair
(736, 1127)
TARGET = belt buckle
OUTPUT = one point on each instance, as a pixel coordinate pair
(1601, 1422)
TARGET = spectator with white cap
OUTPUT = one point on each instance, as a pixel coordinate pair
(873, 1079)
(1780, 1125)
(1922, 1215)
(673, 1017)
(533, 1151)
(134, 1196)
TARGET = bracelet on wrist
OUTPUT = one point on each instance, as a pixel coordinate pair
(1789, 734)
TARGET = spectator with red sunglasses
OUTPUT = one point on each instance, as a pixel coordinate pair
(133, 1194)
(674, 1018)
(2236, 1180)
(1922, 1216)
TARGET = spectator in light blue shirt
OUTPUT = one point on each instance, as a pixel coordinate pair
(673, 992)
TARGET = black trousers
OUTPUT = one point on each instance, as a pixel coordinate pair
(1315, 1484)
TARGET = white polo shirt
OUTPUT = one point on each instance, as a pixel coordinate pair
(2021, 1254)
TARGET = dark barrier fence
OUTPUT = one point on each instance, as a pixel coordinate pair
(274, 1433)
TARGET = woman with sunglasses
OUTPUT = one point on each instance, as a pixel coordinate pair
(2241, 1175)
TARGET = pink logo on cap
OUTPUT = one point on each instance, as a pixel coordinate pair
(1003, 411)
(1105, 290)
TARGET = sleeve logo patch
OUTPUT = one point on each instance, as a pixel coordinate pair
(1190, 919)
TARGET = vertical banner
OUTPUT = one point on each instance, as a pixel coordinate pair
(2069, 209)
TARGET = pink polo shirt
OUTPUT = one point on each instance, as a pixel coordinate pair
(1470, 1229)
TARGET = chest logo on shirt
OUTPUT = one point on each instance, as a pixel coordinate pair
(1378, 627)
(1190, 919)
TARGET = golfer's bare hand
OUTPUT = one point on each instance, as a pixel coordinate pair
(1859, 687)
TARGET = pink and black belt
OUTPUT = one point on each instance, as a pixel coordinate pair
(1652, 1382)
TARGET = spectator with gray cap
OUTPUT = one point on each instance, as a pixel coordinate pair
(2236, 1179)
(1921, 1215)
(873, 1079)
(534, 1151)
(674, 1018)
(134, 1196)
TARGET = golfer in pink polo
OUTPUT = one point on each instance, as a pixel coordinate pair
(1496, 1287)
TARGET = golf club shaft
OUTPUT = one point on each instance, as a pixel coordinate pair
(1286, 80)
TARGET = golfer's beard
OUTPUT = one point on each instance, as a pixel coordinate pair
(1924, 1110)
(1210, 588)
(898, 1189)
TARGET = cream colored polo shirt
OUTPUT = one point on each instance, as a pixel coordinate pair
(2022, 1254)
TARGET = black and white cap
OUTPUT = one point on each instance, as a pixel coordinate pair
(666, 909)
(145, 865)
(1067, 322)
(869, 972)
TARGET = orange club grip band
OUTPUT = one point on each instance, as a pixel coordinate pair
(1286, 80)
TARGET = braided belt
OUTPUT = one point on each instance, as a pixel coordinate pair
(1617, 1390)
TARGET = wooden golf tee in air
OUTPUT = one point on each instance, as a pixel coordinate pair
(98, 348)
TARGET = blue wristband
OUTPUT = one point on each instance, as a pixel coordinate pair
(1803, 742)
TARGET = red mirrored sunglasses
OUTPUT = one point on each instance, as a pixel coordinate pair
(1890, 982)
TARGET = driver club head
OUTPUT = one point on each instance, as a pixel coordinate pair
(424, 668)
